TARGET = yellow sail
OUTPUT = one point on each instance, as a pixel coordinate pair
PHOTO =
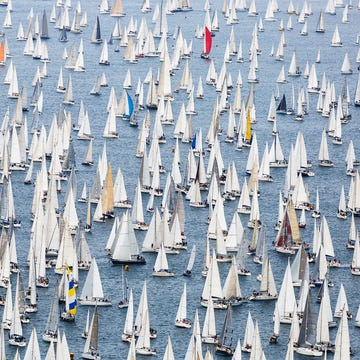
(295, 231)
(107, 196)
(117, 8)
(248, 127)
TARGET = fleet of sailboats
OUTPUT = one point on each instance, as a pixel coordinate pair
(48, 150)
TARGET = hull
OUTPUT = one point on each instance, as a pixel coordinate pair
(326, 163)
(162, 273)
(183, 323)
(210, 339)
(67, 317)
(142, 227)
(262, 297)
(341, 215)
(244, 272)
(198, 204)
(31, 309)
(285, 250)
(223, 350)
(309, 351)
(139, 260)
(91, 355)
(17, 341)
(49, 337)
(279, 164)
(146, 351)
(123, 204)
(93, 302)
(218, 304)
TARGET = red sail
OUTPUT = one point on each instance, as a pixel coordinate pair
(207, 41)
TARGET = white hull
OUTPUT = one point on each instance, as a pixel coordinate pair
(286, 320)
(309, 351)
(184, 323)
(98, 302)
(326, 163)
(146, 351)
(163, 273)
(21, 343)
(210, 339)
(263, 297)
(91, 356)
(49, 337)
(198, 205)
(285, 250)
(123, 204)
(217, 304)
(142, 227)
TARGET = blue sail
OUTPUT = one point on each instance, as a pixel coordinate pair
(193, 143)
(130, 107)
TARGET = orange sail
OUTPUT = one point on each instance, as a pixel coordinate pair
(2, 53)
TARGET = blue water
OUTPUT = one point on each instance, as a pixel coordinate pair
(164, 294)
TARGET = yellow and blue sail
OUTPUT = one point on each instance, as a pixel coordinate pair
(71, 293)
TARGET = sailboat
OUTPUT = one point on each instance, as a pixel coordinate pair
(341, 212)
(323, 157)
(190, 264)
(267, 286)
(2, 53)
(336, 40)
(91, 350)
(96, 89)
(209, 334)
(96, 34)
(52, 324)
(346, 65)
(68, 95)
(225, 343)
(181, 319)
(126, 250)
(88, 215)
(288, 238)
(357, 92)
(85, 333)
(320, 27)
(69, 312)
(357, 318)
(88, 158)
(104, 56)
(60, 88)
(124, 301)
(161, 267)
(92, 292)
(207, 43)
(16, 337)
(307, 335)
(117, 9)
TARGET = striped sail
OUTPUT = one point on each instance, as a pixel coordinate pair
(71, 294)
